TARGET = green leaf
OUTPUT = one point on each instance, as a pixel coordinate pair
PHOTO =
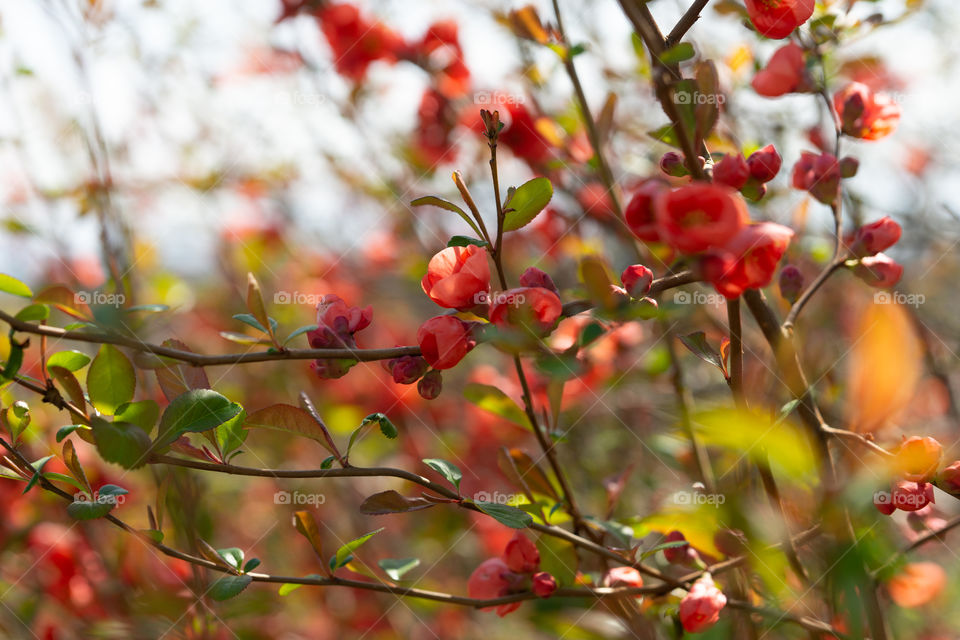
(233, 556)
(63, 432)
(505, 514)
(290, 587)
(678, 53)
(396, 567)
(345, 553)
(285, 417)
(667, 135)
(698, 345)
(463, 241)
(252, 564)
(492, 399)
(122, 443)
(387, 428)
(17, 417)
(228, 586)
(195, 411)
(256, 307)
(33, 312)
(527, 201)
(449, 206)
(111, 380)
(110, 492)
(14, 362)
(69, 360)
(590, 334)
(248, 319)
(9, 284)
(231, 434)
(144, 414)
(88, 510)
(60, 477)
(300, 331)
(448, 470)
(38, 466)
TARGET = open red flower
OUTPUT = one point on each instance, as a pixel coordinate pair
(749, 260)
(699, 216)
(444, 341)
(442, 54)
(529, 309)
(639, 212)
(865, 114)
(778, 18)
(521, 555)
(355, 40)
(700, 608)
(458, 277)
(492, 580)
(786, 72)
(337, 322)
(521, 135)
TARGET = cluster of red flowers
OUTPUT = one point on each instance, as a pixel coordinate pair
(337, 323)
(517, 570)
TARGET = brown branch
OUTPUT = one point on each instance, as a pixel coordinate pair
(686, 21)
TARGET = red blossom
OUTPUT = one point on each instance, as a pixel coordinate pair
(458, 277)
(732, 171)
(521, 555)
(879, 271)
(639, 213)
(355, 40)
(778, 18)
(531, 309)
(444, 341)
(818, 174)
(699, 216)
(700, 608)
(749, 260)
(491, 580)
(520, 134)
(865, 114)
(786, 72)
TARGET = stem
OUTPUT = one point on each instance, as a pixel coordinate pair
(691, 15)
(804, 298)
(736, 352)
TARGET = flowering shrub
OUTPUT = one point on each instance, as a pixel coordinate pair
(453, 401)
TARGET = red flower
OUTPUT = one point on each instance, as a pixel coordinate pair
(356, 41)
(521, 555)
(532, 309)
(883, 501)
(544, 584)
(791, 283)
(818, 174)
(521, 135)
(458, 277)
(491, 580)
(637, 280)
(778, 18)
(917, 458)
(337, 322)
(698, 216)
(622, 577)
(700, 608)
(435, 123)
(950, 478)
(444, 341)
(911, 496)
(865, 114)
(873, 238)
(440, 47)
(406, 369)
(534, 277)
(679, 554)
(749, 260)
(764, 164)
(639, 213)
(786, 72)
(879, 271)
(732, 171)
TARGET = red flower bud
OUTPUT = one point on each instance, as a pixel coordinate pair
(732, 170)
(672, 164)
(791, 283)
(873, 238)
(818, 174)
(950, 478)
(700, 608)
(521, 555)
(407, 369)
(911, 496)
(534, 277)
(764, 164)
(777, 19)
(679, 554)
(544, 584)
(849, 166)
(529, 309)
(918, 458)
(699, 216)
(492, 580)
(879, 271)
(444, 341)
(622, 577)
(430, 385)
(786, 72)
(637, 280)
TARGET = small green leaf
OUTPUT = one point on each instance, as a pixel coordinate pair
(448, 470)
(88, 510)
(505, 514)
(387, 428)
(698, 345)
(63, 432)
(300, 331)
(122, 443)
(228, 587)
(463, 241)
(327, 462)
(345, 553)
(69, 360)
(242, 338)
(248, 319)
(678, 53)
(38, 466)
(111, 379)
(60, 477)
(663, 546)
(395, 568)
(33, 313)
(449, 206)
(495, 401)
(195, 411)
(528, 200)
(9, 284)
(231, 434)
(17, 418)
(290, 587)
(233, 556)
(252, 564)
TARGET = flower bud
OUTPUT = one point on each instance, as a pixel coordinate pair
(950, 478)
(407, 369)
(791, 283)
(430, 385)
(679, 554)
(764, 164)
(637, 280)
(879, 271)
(732, 171)
(672, 164)
(848, 167)
(544, 584)
(534, 277)
(521, 555)
(700, 608)
(622, 577)
(918, 458)
(911, 496)
(871, 239)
